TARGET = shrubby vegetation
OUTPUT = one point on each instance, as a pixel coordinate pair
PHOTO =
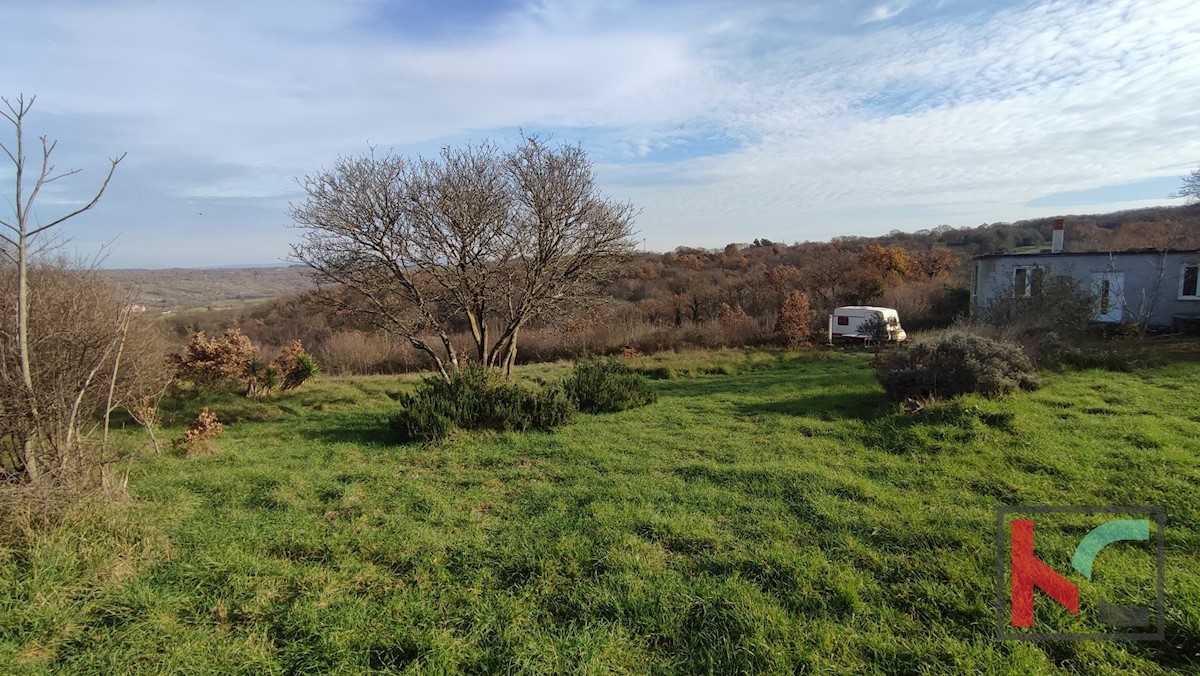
(196, 441)
(797, 318)
(231, 360)
(953, 365)
(476, 398)
(605, 385)
(93, 354)
(297, 366)
(1058, 304)
(223, 360)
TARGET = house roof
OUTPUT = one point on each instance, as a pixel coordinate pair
(1047, 254)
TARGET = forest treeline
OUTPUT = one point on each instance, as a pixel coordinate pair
(731, 296)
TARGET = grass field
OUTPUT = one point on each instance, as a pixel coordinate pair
(770, 514)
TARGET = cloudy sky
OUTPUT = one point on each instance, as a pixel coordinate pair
(723, 120)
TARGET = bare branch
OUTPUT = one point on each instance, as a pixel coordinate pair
(95, 198)
(498, 239)
(8, 152)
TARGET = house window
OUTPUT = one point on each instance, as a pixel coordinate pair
(1027, 281)
(1189, 281)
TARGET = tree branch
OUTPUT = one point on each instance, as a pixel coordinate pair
(96, 198)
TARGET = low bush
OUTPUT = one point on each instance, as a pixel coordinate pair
(1057, 303)
(297, 366)
(205, 426)
(477, 398)
(1055, 353)
(551, 407)
(216, 362)
(197, 440)
(953, 365)
(605, 385)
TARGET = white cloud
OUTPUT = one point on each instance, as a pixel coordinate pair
(845, 126)
(885, 11)
(1099, 98)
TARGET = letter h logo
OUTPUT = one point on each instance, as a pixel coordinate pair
(1028, 573)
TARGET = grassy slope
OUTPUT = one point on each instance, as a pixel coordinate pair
(765, 521)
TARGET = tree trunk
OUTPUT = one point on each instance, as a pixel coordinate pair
(112, 384)
(510, 356)
(437, 361)
(479, 332)
(29, 450)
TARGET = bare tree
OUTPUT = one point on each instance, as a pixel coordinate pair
(1191, 187)
(79, 324)
(476, 239)
(1140, 310)
(23, 231)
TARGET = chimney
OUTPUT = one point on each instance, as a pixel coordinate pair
(1056, 244)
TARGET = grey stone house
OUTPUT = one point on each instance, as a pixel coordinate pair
(1161, 288)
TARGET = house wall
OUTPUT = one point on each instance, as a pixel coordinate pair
(993, 277)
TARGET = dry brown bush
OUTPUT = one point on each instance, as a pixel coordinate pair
(197, 440)
(738, 328)
(214, 362)
(359, 352)
(794, 325)
(93, 352)
(296, 365)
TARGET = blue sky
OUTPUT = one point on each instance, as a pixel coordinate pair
(723, 121)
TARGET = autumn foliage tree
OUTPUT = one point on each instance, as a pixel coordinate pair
(796, 319)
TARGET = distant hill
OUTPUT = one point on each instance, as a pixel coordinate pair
(184, 290)
(682, 290)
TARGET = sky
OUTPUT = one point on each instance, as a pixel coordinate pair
(721, 120)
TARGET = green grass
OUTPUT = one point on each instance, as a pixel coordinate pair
(775, 516)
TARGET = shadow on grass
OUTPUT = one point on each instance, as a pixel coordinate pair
(1180, 650)
(858, 405)
(362, 429)
(944, 427)
(755, 382)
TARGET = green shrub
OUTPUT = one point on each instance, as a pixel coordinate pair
(1093, 355)
(552, 407)
(477, 398)
(952, 366)
(297, 366)
(420, 420)
(263, 378)
(606, 386)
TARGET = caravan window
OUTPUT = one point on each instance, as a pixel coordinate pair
(843, 321)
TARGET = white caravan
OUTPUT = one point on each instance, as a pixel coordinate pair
(846, 324)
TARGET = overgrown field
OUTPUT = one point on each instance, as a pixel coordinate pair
(769, 514)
